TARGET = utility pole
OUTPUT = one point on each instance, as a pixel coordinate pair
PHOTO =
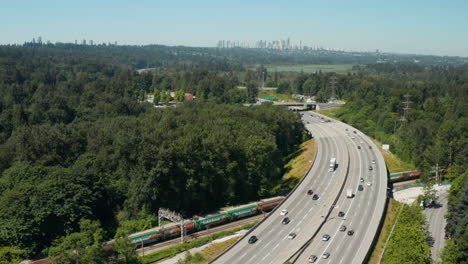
(175, 217)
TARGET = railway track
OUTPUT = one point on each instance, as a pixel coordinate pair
(176, 241)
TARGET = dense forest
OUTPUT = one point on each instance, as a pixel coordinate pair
(84, 158)
(77, 143)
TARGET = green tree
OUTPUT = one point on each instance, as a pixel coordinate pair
(252, 92)
(11, 255)
(84, 247)
(179, 96)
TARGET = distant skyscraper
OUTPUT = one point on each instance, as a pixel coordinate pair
(83, 42)
(76, 42)
(91, 42)
(39, 40)
(34, 41)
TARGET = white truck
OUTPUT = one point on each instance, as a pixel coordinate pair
(349, 193)
(332, 164)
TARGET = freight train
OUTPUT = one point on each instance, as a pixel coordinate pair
(155, 235)
(172, 230)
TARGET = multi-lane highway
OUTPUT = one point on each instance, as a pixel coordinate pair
(309, 217)
(362, 213)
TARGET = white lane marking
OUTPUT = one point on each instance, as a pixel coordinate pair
(265, 256)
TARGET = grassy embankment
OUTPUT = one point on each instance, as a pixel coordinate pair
(281, 97)
(172, 251)
(390, 217)
(298, 166)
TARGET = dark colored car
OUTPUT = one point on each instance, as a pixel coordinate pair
(253, 239)
(342, 228)
(354, 132)
(310, 192)
(370, 167)
(341, 214)
(315, 197)
(360, 188)
(312, 258)
(350, 232)
(285, 221)
(359, 147)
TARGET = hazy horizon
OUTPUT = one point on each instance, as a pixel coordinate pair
(416, 27)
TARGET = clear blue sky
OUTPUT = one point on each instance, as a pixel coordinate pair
(437, 27)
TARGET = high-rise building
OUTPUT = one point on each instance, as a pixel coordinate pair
(83, 42)
(39, 40)
(91, 42)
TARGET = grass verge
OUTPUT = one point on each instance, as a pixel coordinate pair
(281, 97)
(298, 166)
(172, 251)
(390, 216)
(394, 164)
(209, 253)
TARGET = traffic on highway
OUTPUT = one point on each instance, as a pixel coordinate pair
(333, 214)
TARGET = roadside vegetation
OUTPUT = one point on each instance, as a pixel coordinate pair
(172, 251)
(456, 250)
(390, 214)
(208, 254)
(408, 242)
(273, 93)
(297, 167)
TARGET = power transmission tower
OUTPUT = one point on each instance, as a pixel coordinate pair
(333, 83)
(175, 217)
(406, 106)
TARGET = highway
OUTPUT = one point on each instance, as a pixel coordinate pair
(307, 216)
(436, 220)
(362, 213)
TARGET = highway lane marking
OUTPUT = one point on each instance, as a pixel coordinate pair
(265, 256)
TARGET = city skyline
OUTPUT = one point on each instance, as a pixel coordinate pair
(417, 27)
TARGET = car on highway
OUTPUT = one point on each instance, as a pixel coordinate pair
(370, 167)
(285, 221)
(358, 147)
(284, 212)
(315, 197)
(360, 188)
(370, 147)
(362, 142)
(373, 161)
(325, 237)
(350, 232)
(342, 228)
(361, 180)
(253, 239)
(369, 183)
(292, 235)
(326, 255)
(312, 258)
(354, 132)
(352, 137)
(310, 192)
(341, 214)
(346, 129)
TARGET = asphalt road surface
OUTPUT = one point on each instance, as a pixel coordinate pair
(435, 218)
(362, 213)
(307, 216)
